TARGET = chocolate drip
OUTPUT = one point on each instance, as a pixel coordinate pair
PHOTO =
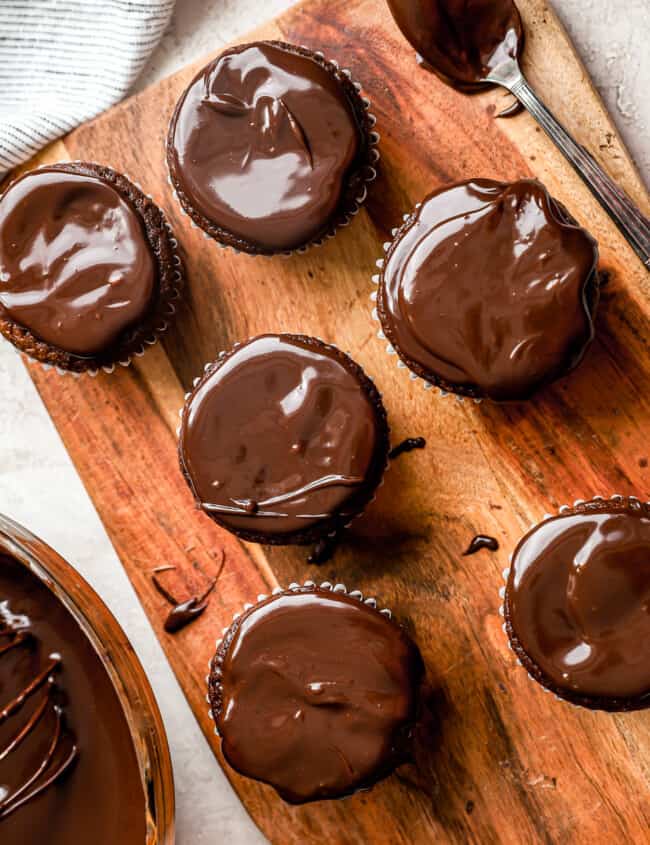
(27, 728)
(30, 690)
(185, 612)
(253, 508)
(324, 550)
(481, 541)
(61, 750)
(407, 445)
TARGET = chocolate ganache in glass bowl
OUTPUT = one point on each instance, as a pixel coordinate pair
(83, 753)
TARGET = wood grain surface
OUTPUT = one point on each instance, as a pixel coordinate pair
(499, 760)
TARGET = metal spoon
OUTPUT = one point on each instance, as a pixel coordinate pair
(629, 219)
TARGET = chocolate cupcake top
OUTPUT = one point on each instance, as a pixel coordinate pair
(315, 693)
(462, 40)
(68, 766)
(489, 289)
(283, 434)
(262, 142)
(76, 268)
(578, 601)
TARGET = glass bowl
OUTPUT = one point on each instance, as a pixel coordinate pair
(122, 665)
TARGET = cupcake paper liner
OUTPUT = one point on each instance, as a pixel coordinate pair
(216, 661)
(615, 498)
(387, 464)
(368, 175)
(169, 305)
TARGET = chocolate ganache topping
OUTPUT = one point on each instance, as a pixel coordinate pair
(489, 289)
(262, 142)
(315, 693)
(68, 769)
(281, 435)
(462, 40)
(75, 265)
(578, 600)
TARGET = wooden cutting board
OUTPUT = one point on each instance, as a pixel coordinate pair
(504, 762)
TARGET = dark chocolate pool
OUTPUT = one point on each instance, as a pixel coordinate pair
(79, 763)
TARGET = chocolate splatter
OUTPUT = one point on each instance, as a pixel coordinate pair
(324, 550)
(481, 541)
(407, 445)
(185, 612)
(164, 592)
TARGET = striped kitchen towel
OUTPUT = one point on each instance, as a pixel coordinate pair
(64, 61)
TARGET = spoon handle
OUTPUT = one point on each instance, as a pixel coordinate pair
(629, 219)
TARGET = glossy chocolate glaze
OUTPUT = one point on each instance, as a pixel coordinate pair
(489, 289)
(281, 436)
(578, 600)
(317, 694)
(461, 40)
(261, 145)
(64, 739)
(75, 265)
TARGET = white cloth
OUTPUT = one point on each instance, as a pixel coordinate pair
(62, 62)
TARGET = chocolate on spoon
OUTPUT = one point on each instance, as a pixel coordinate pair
(461, 40)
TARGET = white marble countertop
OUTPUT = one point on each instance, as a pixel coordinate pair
(40, 488)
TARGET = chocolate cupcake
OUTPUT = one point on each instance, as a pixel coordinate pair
(283, 440)
(577, 603)
(315, 692)
(489, 290)
(270, 148)
(88, 270)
